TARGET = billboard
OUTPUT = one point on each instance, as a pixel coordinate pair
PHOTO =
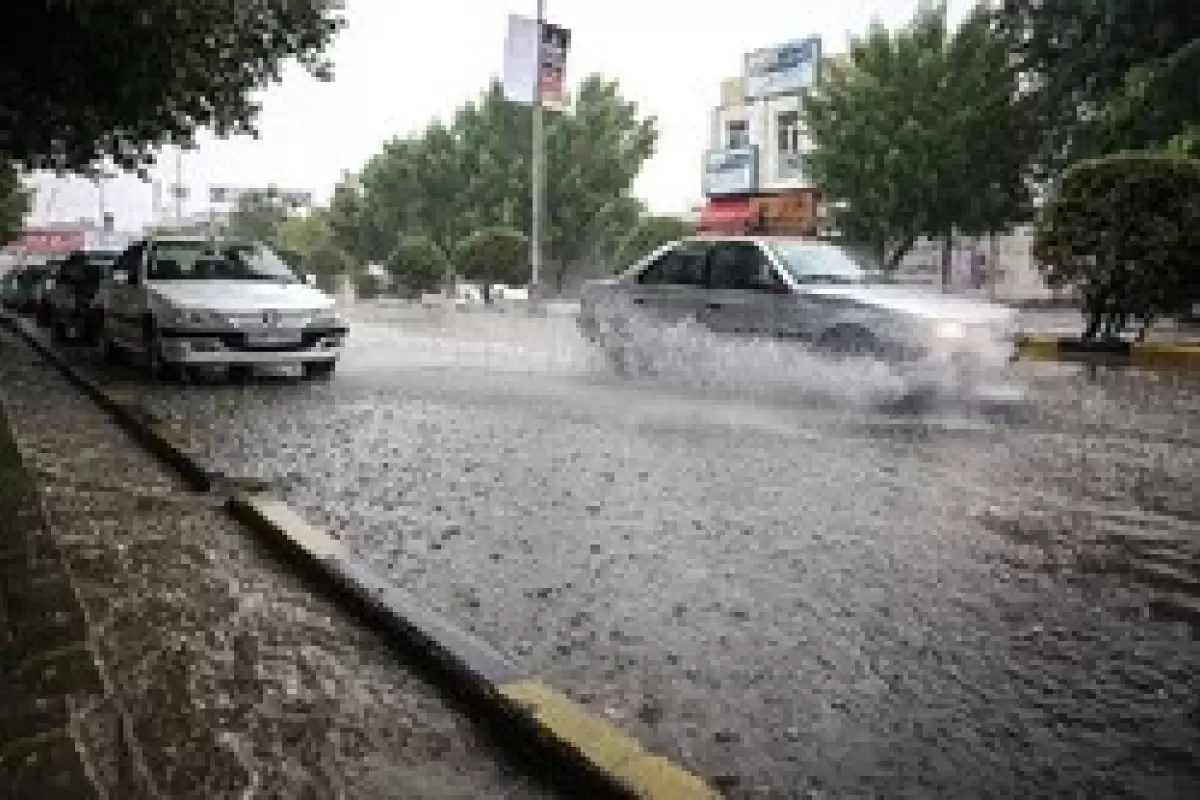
(295, 198)
(521, 66)
(730, 171)
(49, 241)
(783, 69)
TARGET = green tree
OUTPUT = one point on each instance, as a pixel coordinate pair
(493, 255)
(474, 173)
(1123, 232)
(1101, 76)
(101, 79)
(312, 239)
(259, 217)
(418, 264)
(14, 202)
(915, 135)
(651, 232)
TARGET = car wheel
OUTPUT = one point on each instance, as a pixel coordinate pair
(58, 331)
(849, 341)
(317, 370)
(109, 350)
(153, 366)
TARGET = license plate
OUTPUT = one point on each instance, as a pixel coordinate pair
(272, 339)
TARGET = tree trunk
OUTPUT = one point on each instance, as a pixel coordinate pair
(947, 260)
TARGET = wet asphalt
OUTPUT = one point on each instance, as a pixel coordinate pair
(236, 679)
(782, 588)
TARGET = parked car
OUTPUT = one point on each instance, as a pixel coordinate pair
(188, 302)
(24, 293)
(9, 288)
(42, 288)
(74, 313)
(799, 289)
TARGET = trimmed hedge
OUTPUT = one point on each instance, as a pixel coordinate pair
(1123, 232)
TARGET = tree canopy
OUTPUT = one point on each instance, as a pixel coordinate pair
(14, 202)
(473, 172)
(494, 255)
(258, 217)
(417, 263)
(311, 238)
(916, 134)
(1101, 76)
(1123, 232)
(651, 232)
(87, 80)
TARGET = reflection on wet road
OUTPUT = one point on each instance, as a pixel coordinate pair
(781, 588)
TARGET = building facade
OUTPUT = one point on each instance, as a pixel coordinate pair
(753, 170)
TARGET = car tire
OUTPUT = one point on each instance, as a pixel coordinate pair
(319, 370)
(58, 331)
(153, 366)
(110, 351)
(849, 341)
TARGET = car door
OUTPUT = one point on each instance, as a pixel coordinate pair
(746, 295)
(670, 289)
(123, 296)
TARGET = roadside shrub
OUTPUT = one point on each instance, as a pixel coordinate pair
(366, 286)
(1123, 233)
(494, 255)
(417, 264)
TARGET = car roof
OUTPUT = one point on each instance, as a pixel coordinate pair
(754, 238)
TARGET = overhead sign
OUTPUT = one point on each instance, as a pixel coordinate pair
(784, 69)
(730, 171)
(49, 241)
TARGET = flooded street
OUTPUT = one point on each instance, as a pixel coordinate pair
(746, 564)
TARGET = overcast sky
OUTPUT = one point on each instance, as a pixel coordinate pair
(400, 64)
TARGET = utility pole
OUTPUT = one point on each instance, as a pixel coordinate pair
(538, 171)
(178, 186)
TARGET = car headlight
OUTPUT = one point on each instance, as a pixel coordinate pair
(950, 331)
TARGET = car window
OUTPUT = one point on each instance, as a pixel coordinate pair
(175, 261)
(683, 266)
(741, 266)
(130, 261)
(819, 262)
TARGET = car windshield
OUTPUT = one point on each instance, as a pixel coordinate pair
(818, 262)
(175, 261)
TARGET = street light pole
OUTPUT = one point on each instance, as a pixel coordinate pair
(538, 168)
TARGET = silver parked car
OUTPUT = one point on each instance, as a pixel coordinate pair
(801, 289)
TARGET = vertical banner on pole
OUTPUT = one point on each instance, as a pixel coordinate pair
(553, 68)
(523, 73)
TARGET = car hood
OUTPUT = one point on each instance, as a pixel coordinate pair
(920, 302)
(235, 296)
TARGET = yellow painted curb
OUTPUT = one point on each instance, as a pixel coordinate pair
(1159, 354)
(1038, 348)
(280, 517)
(119, 397)
(170, 433)
(605, 746)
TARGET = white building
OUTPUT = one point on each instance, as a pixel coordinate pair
(754, 164)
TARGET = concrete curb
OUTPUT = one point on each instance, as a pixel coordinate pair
(544, 723)
(1148, 355)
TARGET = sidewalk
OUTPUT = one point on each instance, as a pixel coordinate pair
(215, 672)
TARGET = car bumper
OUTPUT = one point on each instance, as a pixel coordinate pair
(226, 349)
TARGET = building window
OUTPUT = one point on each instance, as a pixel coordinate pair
(738, 134)
(789, 129)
